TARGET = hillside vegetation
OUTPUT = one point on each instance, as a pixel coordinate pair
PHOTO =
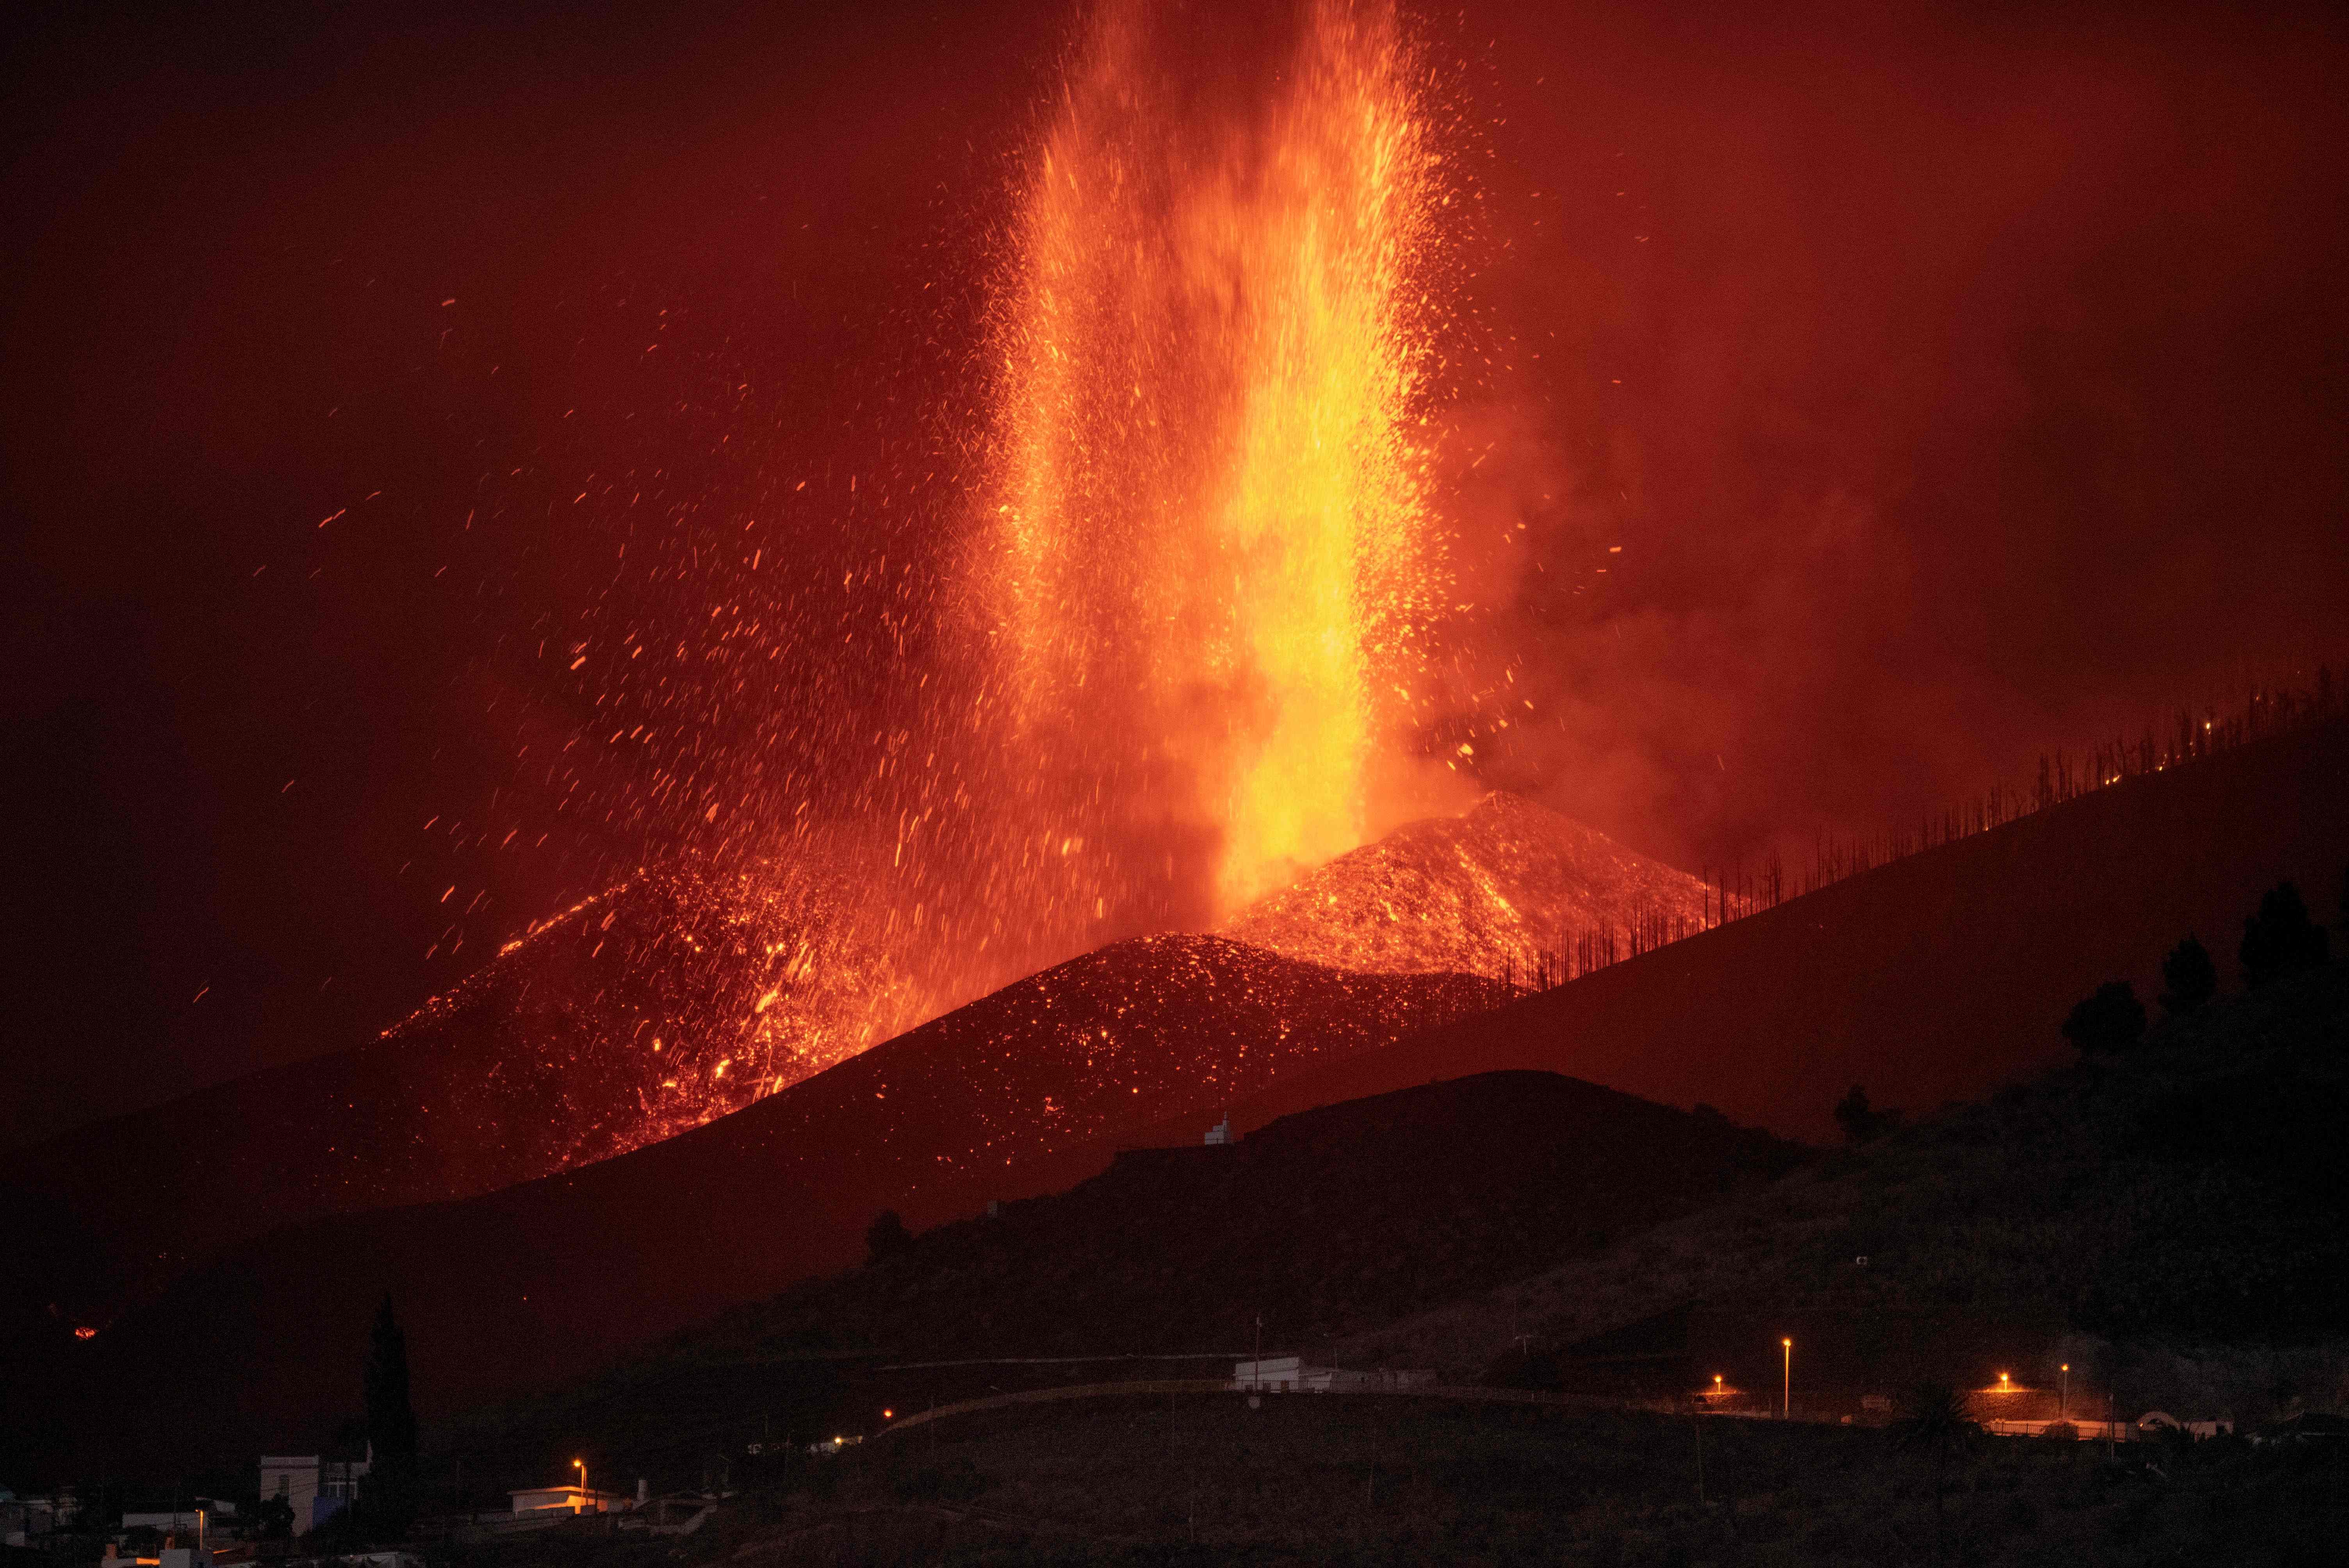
(2177, 1214)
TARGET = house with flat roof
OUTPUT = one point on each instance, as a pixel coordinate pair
(316, 1488)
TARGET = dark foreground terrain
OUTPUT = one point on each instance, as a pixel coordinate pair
(1203, 1479)
(1940, 976)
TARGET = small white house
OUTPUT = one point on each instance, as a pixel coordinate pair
(1221, 1132)
(188, 1521)
(22, 1518)
(1273, 1374)
(1289, 1374)
(316, 1489)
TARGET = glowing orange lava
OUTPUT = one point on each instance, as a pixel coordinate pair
(1148, 682)
(1207, 552)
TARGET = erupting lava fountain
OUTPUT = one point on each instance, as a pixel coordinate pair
(1173, 659)
(1208, 554)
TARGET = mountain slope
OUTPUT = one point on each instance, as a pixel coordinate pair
(2184, 1199)
(679, 996)
(515, 1287)
(1484, 893)
(1937, 977)
(683, 994)
(1322, 1223)
(1934, 978)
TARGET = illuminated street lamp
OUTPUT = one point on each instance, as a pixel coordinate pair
(1716, 1385)
(2063, 1400)
(580, 1466)
(1787, 1394)
(2004, 1387)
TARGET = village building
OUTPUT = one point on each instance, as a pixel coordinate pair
(315, 1488)
(1289, 1374)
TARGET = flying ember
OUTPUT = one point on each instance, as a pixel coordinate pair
(1142, 671)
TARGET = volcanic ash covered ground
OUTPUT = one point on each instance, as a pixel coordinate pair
(1486, 894)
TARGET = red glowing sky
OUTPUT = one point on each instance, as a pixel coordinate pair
(1953, 385)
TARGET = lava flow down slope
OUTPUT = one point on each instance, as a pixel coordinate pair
(685, 993)
(519, 1286)
(1163, 665)
(1486, 894)
(681, 994)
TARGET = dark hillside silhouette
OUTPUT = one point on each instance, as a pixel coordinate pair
(2189, 1201)
(1932, 978)
(1321, 1223)
(537, 1281)
(1937, 977)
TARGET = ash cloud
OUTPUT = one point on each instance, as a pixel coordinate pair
(1954, 389)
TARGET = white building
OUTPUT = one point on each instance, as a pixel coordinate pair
(1289, 1374)
(22, 1518)
(206, 1514)
(315, 1489)
(1273, 1374)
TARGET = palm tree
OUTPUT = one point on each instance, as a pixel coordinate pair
(1938, 1425)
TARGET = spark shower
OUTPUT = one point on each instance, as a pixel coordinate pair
(1166, 664)
(1208, 554)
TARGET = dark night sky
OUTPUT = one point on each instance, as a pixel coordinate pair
(1958, 385)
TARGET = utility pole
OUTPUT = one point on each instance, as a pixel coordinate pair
(1696, 1418)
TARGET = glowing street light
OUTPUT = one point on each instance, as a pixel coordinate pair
(580, 1466)
(2063, 1400)
(2004, 1387)
(1787, 1394)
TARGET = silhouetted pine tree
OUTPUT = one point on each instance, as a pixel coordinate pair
(387, 1496)
(2108, 1022)
(2188, 978)
(885, 1237)
(1859, 1120)
(2280, 939)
